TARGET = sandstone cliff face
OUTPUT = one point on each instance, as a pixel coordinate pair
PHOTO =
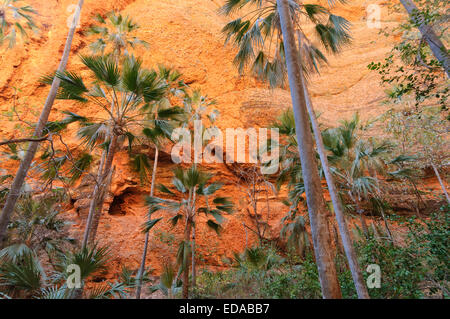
(185, 35)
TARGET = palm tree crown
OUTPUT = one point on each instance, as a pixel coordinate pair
(259, 39)
(115, 34)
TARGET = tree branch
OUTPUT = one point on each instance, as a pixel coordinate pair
(23, 140)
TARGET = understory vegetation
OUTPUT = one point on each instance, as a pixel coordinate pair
(418, 268)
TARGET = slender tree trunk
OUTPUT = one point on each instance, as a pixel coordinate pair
(144, 253)
(364, 224)
(386, 224)
(98, 195)
(362, 219)
(437, 47)
(441, 182)
(97, 188)
(194, 271)
(187, 237)
(358, 278)
(21, 174)
(318, 213)
(360, 213)
(419, 198)
(106, 180)
(94, 200)
(337, 242)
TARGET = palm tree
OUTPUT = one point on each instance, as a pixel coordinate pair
(160, 122)
(291, 172)
(356, 163)
(115, 39)
(196, 107)
(15, 20)
(21, 174)
(437, 47)
(190, 185)
(22, 274)
(255, 38)
(337, 204)
(274, 21)
(128, 88)
(115, 35)
(259, 38)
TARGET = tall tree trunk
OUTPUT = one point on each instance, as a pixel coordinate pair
(94, 199)
(98, 183)
(194, 271)
(358, 278)
(441, 182)
(437, 47)
(318, 213)
(187, 237)
(144, 253)
(98, 195)
(105, 182)
(21, 174)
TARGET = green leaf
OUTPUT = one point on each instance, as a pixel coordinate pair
(148, 225)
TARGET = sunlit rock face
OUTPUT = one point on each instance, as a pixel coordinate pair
(185, 35)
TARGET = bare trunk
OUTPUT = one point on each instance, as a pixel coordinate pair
(337, 242)
(437, 47)
(362, 218)
(318, 213)
(99, 194)
(106, 179)
(194, 271)
(144, 253)
(358, 278)
(441, 182)
(386, 224)
(187, 237)
(94, 199)
(99, 208)
(193, 237)
(22, 172)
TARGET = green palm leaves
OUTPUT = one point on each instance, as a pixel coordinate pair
(115, 34)
(258, 37)
(24, 272)
(21, 273)
(354, 161)
(187, 186)
(15, 20)
(169, 285)
(119, 90)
